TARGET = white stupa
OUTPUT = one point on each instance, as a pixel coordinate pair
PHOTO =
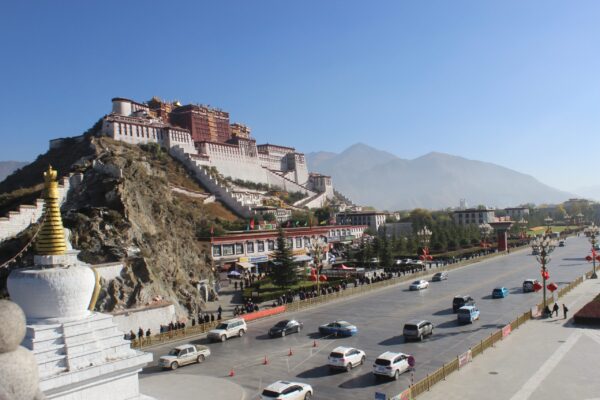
(81, 354)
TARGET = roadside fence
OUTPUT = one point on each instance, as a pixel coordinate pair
(461, 360)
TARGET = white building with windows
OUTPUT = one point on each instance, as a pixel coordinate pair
(474, 216)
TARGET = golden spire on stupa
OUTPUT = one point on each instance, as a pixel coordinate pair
(51, 239)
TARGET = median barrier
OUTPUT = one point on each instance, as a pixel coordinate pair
(457, 363)
(263, 313)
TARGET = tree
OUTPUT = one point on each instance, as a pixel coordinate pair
(284, 270)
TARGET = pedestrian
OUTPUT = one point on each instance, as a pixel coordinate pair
(565, 310)
(219, 312)
(193, 321)
(212, 317)
(555, 309)
(140, 333)
(235, 285)
(131, 335)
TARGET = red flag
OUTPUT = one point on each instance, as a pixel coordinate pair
(252, 224)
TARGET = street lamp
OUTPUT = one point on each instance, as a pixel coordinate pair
(485, 230)
(424, 237)
(592, 233)
(317, 247)
(544, 246)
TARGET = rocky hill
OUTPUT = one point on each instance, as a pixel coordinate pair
(126, 210)
(373, 177)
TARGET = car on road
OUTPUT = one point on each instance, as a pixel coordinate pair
(284, 327)
(338, 328)
(418, 285)
(499, 293)
(417, 329)
(183, 355)
(391, 364)
(561, 243)
(467, 314)
(460, 301)
(440, 276)
(528, 285)
(226, 329)
(346, 358)
(284, 390)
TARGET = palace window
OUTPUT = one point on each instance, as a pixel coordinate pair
(260, 246)
(250, 247)
(239, 248)
(228, 249)
(270, 245)
(298, 242)
(289, 243)
(216, 251)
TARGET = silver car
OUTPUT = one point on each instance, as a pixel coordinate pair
(417, 329)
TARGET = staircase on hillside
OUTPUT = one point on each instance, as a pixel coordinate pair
(220, 191)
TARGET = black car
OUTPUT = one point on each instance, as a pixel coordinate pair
(284, 327)
(460, 301)
(440, 276)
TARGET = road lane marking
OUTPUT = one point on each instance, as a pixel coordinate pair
(536, 379)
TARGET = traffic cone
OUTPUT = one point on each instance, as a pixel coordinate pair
(290, 353)
(231, 373)
(315, 343)
(265, 361)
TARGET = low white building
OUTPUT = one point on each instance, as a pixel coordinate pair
(474, 216)
(373, 219)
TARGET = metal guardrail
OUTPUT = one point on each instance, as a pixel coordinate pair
(308, 303)
(440, 374)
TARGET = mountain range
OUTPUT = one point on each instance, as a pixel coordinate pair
(8, 167)
(373, 177)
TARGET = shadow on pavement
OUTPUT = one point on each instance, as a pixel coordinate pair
(447, 311)
(393, 341)
(151, 370)
(362, 381)
(266, 337)
(316, 372)
(447, 324)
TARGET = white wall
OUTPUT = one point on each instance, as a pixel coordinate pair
(150, 317)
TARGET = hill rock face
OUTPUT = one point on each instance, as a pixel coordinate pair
(8, 167)
(127, 211)
(373, 177)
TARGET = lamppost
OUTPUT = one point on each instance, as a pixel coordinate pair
(424, 237)
(544, 246)
(485, 230)
(317, 247)
(592, 233)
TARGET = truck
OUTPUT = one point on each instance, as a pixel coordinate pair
(182, 355)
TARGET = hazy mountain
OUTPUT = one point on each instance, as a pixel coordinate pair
(589, 192)
(8, 167)
(436, 180)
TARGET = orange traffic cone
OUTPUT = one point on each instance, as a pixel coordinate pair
(265, 361)
(290, 353)
(231, 373)
(315, 343)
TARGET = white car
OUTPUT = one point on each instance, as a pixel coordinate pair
(418, 285)
(391, 364)
(227, 329)
(284, 390)
(345, 358)
(182, 355)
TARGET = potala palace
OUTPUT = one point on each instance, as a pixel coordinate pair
(202, 137)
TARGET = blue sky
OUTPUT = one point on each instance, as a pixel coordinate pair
(510, 82)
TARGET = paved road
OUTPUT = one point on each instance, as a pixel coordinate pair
(380, 317)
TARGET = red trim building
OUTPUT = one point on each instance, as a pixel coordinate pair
(251, 250)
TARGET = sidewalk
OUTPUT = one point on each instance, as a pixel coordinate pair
(189, 386)
(542, 360)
